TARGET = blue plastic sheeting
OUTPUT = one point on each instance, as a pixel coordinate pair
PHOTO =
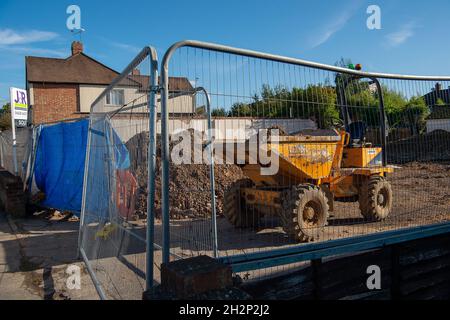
(60, 163)
(107, 155)
(59, 166)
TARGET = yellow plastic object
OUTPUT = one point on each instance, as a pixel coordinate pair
(106, 231)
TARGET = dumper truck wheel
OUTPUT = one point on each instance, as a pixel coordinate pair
(235, 209)
(305, 212)
(375, 198)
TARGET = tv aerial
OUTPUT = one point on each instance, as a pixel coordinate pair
(78, 32)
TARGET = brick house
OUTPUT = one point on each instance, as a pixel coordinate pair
(63, 89)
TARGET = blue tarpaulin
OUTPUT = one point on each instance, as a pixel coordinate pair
(60, 163)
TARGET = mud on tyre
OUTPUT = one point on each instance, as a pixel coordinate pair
(235, 209)
(305, 212)
(375, 198)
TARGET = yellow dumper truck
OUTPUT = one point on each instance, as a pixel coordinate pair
(316, 168)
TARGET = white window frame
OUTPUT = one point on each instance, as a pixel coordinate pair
(110, 97)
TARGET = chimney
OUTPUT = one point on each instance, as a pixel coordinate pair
(438, 87)
(136, 72)
(77, 47)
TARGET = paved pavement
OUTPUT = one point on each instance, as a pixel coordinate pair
(34, 256)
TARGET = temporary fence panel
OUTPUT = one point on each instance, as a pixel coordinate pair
(117, 212)
(366, 166)
(23, 144)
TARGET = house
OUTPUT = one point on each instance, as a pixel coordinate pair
(438, 100)
(439, 119)
(436, 94)
(62, 89)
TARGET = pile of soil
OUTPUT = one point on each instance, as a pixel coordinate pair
(434, 146)
(189, 187)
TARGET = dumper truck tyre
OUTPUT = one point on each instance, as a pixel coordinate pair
(305, 212)
(375, 198)
(235, 209)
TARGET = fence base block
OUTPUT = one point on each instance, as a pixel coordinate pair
(190, 277)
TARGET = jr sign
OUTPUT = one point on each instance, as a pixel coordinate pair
(19, 116)
(19, 106)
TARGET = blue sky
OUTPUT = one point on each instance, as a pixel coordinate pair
(413, 39)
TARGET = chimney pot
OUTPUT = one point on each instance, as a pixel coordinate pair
(438, 87)
(77, 47)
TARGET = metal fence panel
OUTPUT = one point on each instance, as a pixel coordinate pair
(386, 173)
(23, 147)
(116, 229)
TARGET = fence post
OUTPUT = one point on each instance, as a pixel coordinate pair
(165, 158)
(211, 173)
(14, 141)
(151, 169)
(383, 121)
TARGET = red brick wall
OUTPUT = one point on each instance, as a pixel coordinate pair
(55, 102)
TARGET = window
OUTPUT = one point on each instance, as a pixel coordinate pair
(115, 98)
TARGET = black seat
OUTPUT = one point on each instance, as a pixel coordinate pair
(357, 130)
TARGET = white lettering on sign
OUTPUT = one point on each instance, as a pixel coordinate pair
(19, 104)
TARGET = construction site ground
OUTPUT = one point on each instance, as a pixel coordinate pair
(421, 196)
(35, 252)
(421, 193)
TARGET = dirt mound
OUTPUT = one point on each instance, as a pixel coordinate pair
(189, 187)
(434, 146)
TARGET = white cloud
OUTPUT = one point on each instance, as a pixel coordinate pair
(11, 37)
(21, 42)
(399, 37)
(335, 25)
(126, 47)
(330, 30)
(34, 51)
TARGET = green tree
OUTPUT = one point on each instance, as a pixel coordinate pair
(316, 102)
(354, 93)
(416, 113)
(5, 117)
(241, 110)
(320, 103)
(219, 112)
(440, 103)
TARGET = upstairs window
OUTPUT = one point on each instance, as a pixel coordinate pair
(115, 98)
